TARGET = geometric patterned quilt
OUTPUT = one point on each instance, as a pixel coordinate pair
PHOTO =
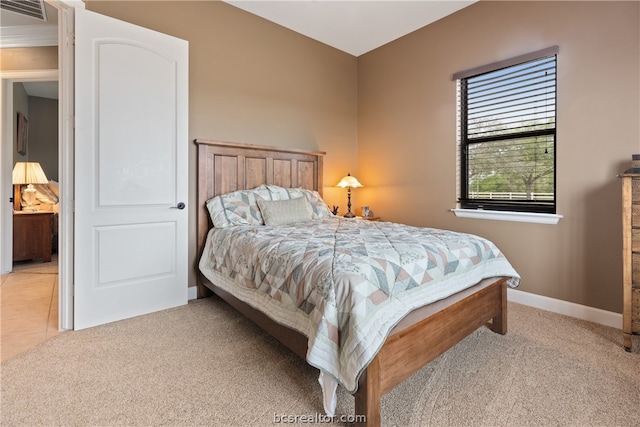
(346, 283)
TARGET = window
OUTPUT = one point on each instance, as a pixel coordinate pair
(507, 134)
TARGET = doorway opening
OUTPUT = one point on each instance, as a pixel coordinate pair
(35, 174)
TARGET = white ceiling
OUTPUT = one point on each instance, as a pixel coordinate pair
(41, 89)
(354, 26)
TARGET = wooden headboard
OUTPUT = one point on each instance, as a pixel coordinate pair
(224, 167)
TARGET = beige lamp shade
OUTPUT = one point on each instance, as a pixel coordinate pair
(349, 182)
(28, 173)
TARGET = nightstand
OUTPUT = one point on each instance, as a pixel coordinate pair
(32, 235)
(369, 218)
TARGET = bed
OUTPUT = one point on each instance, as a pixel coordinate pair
(412, 341)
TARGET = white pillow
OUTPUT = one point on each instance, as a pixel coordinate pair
(319, 208)
(283, 212)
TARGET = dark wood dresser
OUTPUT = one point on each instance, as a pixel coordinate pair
(32, 234)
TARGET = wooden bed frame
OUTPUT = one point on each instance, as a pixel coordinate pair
(418, 339)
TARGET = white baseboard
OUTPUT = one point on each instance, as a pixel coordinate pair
(566, 308)
(192, 292)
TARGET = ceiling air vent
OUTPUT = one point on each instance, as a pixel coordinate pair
(31, 8)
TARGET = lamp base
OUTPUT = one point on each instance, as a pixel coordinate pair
(29, 196)
(349, 215)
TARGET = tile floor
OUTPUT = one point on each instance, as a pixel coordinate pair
(28, 307)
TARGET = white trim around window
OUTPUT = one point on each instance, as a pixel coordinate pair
(538, 218)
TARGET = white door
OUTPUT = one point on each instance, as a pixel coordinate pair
(131, 162)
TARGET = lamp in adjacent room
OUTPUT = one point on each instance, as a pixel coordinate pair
(28, 173)
(349, 182)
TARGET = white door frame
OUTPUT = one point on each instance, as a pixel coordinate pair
(66, 166)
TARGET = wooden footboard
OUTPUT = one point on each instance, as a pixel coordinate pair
(441, 326)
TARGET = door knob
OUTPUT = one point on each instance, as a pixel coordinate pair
(179, 206)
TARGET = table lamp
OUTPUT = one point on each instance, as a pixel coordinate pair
(28, 173)
(349, 182)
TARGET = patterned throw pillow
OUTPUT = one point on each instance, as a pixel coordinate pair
(283, 212)
(319, 208)
(237, 208)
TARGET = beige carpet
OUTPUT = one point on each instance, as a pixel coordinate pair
(205, 365)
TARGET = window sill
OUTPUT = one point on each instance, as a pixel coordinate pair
(538, 218)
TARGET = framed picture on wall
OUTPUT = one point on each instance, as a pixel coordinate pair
(23, 134)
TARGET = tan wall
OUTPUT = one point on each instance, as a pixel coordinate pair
(29, 58)
(255, 82)
(407, 134)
